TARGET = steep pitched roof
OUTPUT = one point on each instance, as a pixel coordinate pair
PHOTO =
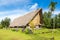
(24, 20)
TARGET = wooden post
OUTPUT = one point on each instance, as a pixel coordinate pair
(23, 29)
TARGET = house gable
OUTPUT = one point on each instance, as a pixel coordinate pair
(35, 21)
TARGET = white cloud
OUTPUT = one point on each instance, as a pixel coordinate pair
(45, 10)
(5, 2)
(12, 14)
(17, 11)
(56, 12)
(33, 7)
(12, 17)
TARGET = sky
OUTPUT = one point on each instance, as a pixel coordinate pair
(15, 8)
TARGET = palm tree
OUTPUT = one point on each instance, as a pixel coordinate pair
(52, 6)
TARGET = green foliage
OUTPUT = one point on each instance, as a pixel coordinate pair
(52, 6)
(28, 31)
(6, 22)
(58, 20)
(2, 23)
(47, 19)
(50, 22)
(55, 21)
(1, 26)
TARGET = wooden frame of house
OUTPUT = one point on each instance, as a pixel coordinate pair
(32, 18)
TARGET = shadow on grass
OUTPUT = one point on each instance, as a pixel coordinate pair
(37, 37)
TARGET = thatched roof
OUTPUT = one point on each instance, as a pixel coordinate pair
(24, 20)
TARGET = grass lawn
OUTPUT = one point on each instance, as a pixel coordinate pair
(42, 34)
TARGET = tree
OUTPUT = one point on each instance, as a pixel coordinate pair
(47, 19)
(3, 23)
(47, 16)
(58, 20)
(6, 22)
(52, 6)
(55, 22)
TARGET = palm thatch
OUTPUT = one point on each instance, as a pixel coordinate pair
(24, 20)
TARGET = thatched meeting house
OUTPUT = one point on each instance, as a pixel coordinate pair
(32, 18)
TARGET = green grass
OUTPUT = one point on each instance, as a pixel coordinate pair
(42, 34)
(12, 35)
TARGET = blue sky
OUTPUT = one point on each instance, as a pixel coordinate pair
(16, 8)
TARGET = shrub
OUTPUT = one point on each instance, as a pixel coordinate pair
(1, 27)
(6, 22)
(28, 31)
(14, 29)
